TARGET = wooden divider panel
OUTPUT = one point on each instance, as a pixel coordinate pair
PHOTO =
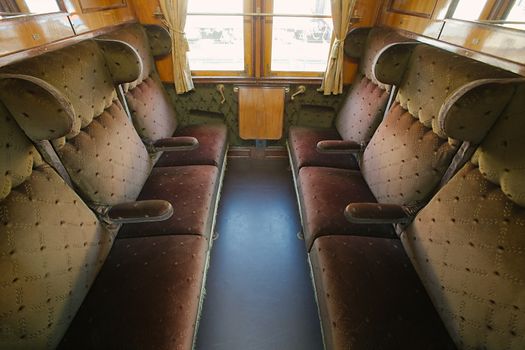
(261, 111)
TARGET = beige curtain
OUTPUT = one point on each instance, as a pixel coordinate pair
(174, 12)
(333, 77)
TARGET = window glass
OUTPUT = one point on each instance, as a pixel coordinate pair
(216, 42)
(301, 44)
(469, 10)
(516, 14)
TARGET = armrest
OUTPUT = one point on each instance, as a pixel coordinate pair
(139, 211)
(339, 147)
(179, 143)
(375, 213)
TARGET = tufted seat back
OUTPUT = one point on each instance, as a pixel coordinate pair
(151, 110)
(468, 243)
(365, 104)
(410, 151)
(102, 153)
(51, 245)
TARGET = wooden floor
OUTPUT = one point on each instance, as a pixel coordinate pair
(258, 293)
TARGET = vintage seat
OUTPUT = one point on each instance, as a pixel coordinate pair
(467, 244)
(151, 109)
(52, 245)
(103, 154)
(410, 151)
(362, 110)
(370, 297)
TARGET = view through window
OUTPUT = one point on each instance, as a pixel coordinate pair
(287, 37)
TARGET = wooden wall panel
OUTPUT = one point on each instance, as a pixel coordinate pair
(87, 22)
(99, 5)
(261, 111)
(26, 33)
(416, 8)
(491, 44)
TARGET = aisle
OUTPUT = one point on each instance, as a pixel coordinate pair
(258, 294)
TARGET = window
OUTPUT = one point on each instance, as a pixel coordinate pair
(469, 10)
(278, 38)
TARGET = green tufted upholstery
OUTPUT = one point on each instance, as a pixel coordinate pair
(51, 246)
(467, 244)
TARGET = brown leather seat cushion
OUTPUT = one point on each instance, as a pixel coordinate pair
(325, 193)
(371, 298)
(191, 190)
(213, 140)
(146, 296)
(303, 149)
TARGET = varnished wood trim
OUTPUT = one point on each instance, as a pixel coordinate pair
(57, 45)
(87, 9)
(391, 8)
(255, 81)
(485, 58)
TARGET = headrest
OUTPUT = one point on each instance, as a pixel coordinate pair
(42, 111)
(159, 40)
(80, 76)
(355, 41)
(135, 35)
(500, 157)
(123, 60)
(17, 154)
(393, 63)
(469, 113)
(434, 75)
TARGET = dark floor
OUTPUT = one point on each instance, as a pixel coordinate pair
(259, 293)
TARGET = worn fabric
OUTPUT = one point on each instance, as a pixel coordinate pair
(122, 310)
(213, 143)
(371, 298)
(405, 161)
(107, 161)
(467, 245)
(52, 247)
(303, 149)
(191, 190)
(324, 194)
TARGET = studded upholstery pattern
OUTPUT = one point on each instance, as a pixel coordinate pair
(362, 111)
(17, 154)
(303, 149)
(325, 192)
(405, 160)
(79, 72)
(190, 190)
(467, 246)
(371, 298)
(107, 161)
(213, 139)
(500, 157)
(433, 75)
(145, 297)
(152, 114)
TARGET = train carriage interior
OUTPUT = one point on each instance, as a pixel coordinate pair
(262, 174)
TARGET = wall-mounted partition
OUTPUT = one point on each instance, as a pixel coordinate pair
(29, 28)
(492, 31)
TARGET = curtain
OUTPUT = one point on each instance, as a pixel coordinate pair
(174, 12)
(341, 17)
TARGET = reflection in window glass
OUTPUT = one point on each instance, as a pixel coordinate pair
(216, 42)
(517, 14)
(39, 6)
(469, 10)
(301, 44)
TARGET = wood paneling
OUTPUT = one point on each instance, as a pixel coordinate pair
(494, 45)
(415, 8)
(261, 111)
(26, 33)
(496, 41)
(88, 22)
(99, 5)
